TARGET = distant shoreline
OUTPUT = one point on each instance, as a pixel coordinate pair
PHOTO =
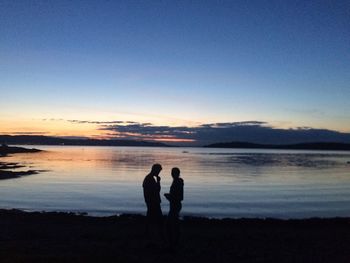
(56, 141)
(321, 146)
(295, 147)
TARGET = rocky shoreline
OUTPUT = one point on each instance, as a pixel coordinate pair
(8, 170)
(68, 237)
(5, 150)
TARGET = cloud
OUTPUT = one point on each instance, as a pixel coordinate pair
(245, 131)
(96, 122)
(93, 122)
(248, 131)
(147, 131)
(52, 119)
(89, 122)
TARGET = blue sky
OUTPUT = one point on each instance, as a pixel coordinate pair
(175, 63)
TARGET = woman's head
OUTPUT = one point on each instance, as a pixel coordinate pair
(175, 172)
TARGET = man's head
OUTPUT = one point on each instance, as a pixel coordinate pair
(175, 172)
(156, 168)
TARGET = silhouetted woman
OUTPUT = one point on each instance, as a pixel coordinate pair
(175, 197)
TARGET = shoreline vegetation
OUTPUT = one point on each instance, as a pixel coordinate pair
(6, 168)
(69, 237)
(47, 140)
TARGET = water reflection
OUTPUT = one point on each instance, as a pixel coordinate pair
(219, 182)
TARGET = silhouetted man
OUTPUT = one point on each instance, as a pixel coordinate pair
(175, 197)
(151, 193)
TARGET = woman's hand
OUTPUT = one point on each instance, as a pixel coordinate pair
(167, 196)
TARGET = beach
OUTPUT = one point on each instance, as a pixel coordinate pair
(122, 237)
(64, 237)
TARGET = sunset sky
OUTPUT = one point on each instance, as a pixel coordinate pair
(108, 69)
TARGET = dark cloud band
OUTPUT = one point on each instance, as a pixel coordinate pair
(245, 131)
(249, 131)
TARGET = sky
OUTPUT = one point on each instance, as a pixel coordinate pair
(284, 65)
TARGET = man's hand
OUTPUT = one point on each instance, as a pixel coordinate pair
(158, 179)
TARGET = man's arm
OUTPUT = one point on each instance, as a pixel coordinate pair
(158, 183)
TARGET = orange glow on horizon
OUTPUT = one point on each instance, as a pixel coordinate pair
(47, 128)
(63, 128)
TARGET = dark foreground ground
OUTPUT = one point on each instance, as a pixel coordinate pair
(59, 237)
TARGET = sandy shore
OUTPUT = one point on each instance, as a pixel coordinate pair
(63, 237)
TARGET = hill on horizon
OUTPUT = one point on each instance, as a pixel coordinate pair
(49, 140)
(297, 146)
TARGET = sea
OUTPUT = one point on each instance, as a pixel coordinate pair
(219, 183)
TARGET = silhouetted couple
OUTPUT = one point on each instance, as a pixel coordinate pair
(151, 191)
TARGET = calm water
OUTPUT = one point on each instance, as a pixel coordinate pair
(218, 182)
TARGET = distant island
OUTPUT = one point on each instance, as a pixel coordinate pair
(299, 146)
(5, 150)
(47, 140)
